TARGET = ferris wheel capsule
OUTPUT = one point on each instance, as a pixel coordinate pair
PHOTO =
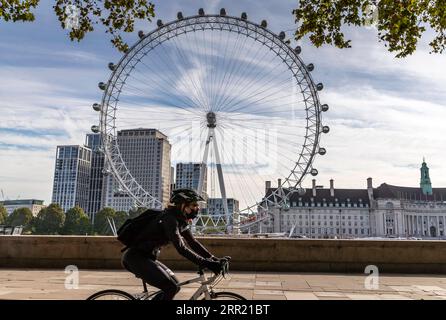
(159, 23)
(141, 34)
(325, 129)
(180, 15)
(111, 66)
(282, 35)
(201, 12)
(319, 87)
(310, 67)
(322, 151)
(324, 107)
(298, 49)
(101, 85)
(95, 128)
(264, 24)
(222, 12)
(96, 107)
(244, 16)
(314, 172)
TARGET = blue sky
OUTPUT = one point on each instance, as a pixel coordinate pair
(385, 114)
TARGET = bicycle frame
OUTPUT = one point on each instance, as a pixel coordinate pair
(203, 289)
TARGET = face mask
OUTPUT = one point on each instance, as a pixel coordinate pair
(193, 214)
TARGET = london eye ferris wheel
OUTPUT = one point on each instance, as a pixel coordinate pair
(229, 94)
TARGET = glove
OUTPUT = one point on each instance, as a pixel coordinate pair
(214, 266)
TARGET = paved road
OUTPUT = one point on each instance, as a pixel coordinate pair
(50, 284)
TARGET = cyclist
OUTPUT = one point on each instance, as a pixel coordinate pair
(172, 227)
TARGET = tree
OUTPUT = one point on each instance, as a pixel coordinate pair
(49, 220)
(20, 217)
(3, 215)
(400, 23)
(80, 17)
(76, 222)
(120, 218)
(101, 225)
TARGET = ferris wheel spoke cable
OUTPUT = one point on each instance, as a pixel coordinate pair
(201, 88)
(160, 87)
(191, 110)
(227, 65)
(233, 59)
(233, 64)
(219, 75)
(193, 82)
(256, 79)
(244, 88)
(282, 155)
(278, 88)
(238, 125)
(182, 58)
(169, 64)
(207, 85)
(246, 189)
(246, 75)
(169, 83)
(190, 104)
(273, 108)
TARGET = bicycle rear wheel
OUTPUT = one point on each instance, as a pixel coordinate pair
(226, 296)
(111, 294)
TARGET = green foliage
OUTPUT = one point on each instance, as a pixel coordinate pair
(50, 220)
(16, 10)
(115, 15)
(20, 217)
(76, 222)
(400, 23)
(3, 215)
(101, 225)
(120, 218)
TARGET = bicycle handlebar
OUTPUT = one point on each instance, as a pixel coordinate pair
(224, 266)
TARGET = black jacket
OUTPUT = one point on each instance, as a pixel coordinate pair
(171, 227)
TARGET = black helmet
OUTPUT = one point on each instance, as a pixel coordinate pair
(185, 195)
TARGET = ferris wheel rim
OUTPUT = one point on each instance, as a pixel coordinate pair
(312, 132)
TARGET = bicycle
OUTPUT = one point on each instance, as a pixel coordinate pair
(206, 289)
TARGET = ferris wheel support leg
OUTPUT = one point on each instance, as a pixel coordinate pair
(204, 162)
(222, 184)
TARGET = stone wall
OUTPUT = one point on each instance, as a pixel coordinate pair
(275, 255)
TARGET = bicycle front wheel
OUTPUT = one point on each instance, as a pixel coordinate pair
(111, 294)
(226, 296)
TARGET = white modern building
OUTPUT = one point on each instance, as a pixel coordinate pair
(146, 153)
(385, 211)
(32, 204)
(72, 177)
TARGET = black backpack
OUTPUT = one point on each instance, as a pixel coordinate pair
(131, 231)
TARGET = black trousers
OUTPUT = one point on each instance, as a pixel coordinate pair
(151, 271)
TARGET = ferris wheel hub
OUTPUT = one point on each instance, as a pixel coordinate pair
(212, 119)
